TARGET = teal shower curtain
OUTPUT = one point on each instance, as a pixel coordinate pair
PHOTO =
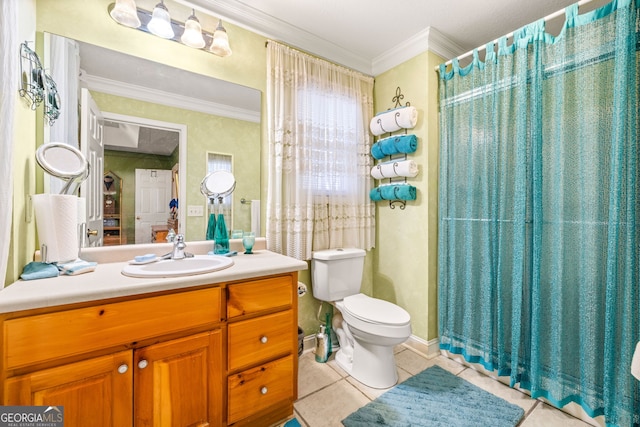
(539, 210)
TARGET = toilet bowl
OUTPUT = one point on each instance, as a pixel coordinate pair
(370, 330)
(367, 328)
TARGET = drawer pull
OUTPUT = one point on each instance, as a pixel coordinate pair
(264, 390)
(123, 368)
(263, 339)
(143, 364)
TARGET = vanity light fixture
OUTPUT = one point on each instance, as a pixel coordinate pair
(192, 35)
(125, 13)
(220, 44)
(160, 23)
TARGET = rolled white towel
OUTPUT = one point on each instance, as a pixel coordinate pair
(635, 363)
(393, 120)
(393, 169)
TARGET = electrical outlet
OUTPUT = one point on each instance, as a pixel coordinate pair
(194, 210)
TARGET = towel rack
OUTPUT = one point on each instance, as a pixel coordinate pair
(397, 100)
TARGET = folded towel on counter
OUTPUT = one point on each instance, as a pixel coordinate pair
(393, 120)
(393, 192)
(394, 145)
(76, 267)
(39, 270)
(407, 168)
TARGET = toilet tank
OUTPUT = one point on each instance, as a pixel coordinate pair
(336, 273)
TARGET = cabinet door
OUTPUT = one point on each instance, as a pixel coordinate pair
(95, 392)
(179, 382)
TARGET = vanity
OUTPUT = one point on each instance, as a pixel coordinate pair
(214, 349)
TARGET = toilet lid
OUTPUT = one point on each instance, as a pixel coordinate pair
(374, 310)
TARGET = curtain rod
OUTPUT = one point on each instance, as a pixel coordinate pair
(483, 47)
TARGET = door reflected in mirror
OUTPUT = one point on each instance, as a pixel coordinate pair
(209, 115)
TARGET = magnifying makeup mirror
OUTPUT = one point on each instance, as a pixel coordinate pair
(217, 185)
(65, 162)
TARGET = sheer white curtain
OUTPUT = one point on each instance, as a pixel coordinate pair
(319, 164)
(9, 65)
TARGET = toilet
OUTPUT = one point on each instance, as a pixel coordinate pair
(367, 328)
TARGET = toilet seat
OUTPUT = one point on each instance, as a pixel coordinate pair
(376, 311)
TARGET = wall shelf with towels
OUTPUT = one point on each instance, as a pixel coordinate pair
(391, 150)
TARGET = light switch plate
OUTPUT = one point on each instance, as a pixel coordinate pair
(193, 210)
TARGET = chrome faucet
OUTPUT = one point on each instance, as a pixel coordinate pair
(178, 251)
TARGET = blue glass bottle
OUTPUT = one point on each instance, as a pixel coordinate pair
(211, 226)
(221, 237)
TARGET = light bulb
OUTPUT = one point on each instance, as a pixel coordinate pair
(125, 13)
(160, 23)
(192, 35)
(220, 44)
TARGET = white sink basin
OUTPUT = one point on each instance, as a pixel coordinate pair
(199, 264)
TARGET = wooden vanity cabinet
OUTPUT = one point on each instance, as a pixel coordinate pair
(218, 356)
(168, 375)
(262, 346)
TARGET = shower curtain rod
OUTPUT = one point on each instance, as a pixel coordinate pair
(483, 47)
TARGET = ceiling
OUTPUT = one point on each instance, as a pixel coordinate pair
(374, 35)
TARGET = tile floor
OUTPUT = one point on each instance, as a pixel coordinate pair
(327, 395)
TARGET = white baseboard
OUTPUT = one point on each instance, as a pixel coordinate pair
(428, 349)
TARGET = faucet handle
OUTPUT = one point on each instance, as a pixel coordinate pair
(179, 238)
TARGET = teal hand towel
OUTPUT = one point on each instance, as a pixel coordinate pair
(393, 192)
(394, 145)
(39, 270)
(76, 267)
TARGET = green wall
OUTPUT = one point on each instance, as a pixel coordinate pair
(405, 258)
(124, 164)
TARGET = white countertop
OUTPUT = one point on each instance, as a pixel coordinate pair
(107, 281)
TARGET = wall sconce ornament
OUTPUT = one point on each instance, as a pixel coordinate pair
(32, 76)
(37, 86)
(190, 33)
(52, 102)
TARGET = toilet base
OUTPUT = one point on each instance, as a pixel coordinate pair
(372, 365)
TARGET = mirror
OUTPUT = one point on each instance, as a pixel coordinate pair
(64, 162)
(210, 115)
(218, 184)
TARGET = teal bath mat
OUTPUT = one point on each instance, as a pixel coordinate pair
(436, 397)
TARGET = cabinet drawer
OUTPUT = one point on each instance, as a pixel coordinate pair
(39, 338)
(256, 340)
(256, 389)
(259, 295)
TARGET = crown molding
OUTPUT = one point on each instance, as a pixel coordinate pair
(258, 22)
(401, 53)
(251, 19)
(443, 46)
(428, 39)
(156, 96)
